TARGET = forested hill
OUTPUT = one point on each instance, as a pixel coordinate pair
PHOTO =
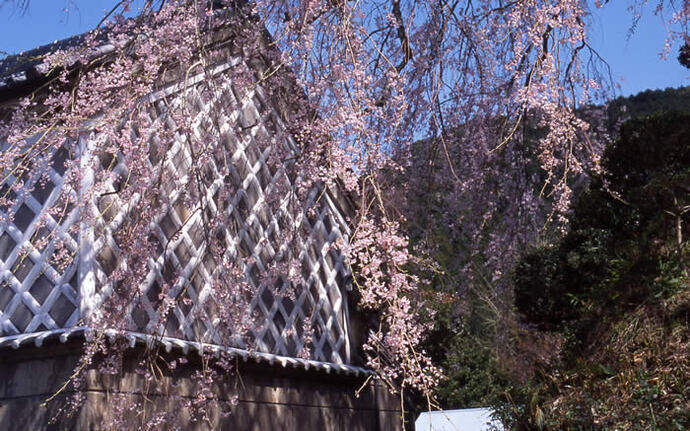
(649, 102)
(646, 103)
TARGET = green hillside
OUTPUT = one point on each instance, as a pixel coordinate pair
(615, 292)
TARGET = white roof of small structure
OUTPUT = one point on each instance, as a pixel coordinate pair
(477, 419)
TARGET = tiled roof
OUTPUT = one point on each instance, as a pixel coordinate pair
(25, 68)
(183, 346)
(28, 66)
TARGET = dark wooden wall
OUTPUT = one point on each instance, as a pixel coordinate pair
(269, 396)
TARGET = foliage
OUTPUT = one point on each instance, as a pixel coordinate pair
(617, 287)
(469, 365)
(684, 55)
(620, 228)
(474, 236)
(468, 236)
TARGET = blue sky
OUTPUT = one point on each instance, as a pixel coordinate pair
(634, 58)
(48, 20)
(635, 62)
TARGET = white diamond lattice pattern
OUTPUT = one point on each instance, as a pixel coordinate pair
(288, 319)
(38, 278)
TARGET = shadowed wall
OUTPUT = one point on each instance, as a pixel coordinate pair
(269, 396)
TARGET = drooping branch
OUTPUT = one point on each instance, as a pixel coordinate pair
(402, 35)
